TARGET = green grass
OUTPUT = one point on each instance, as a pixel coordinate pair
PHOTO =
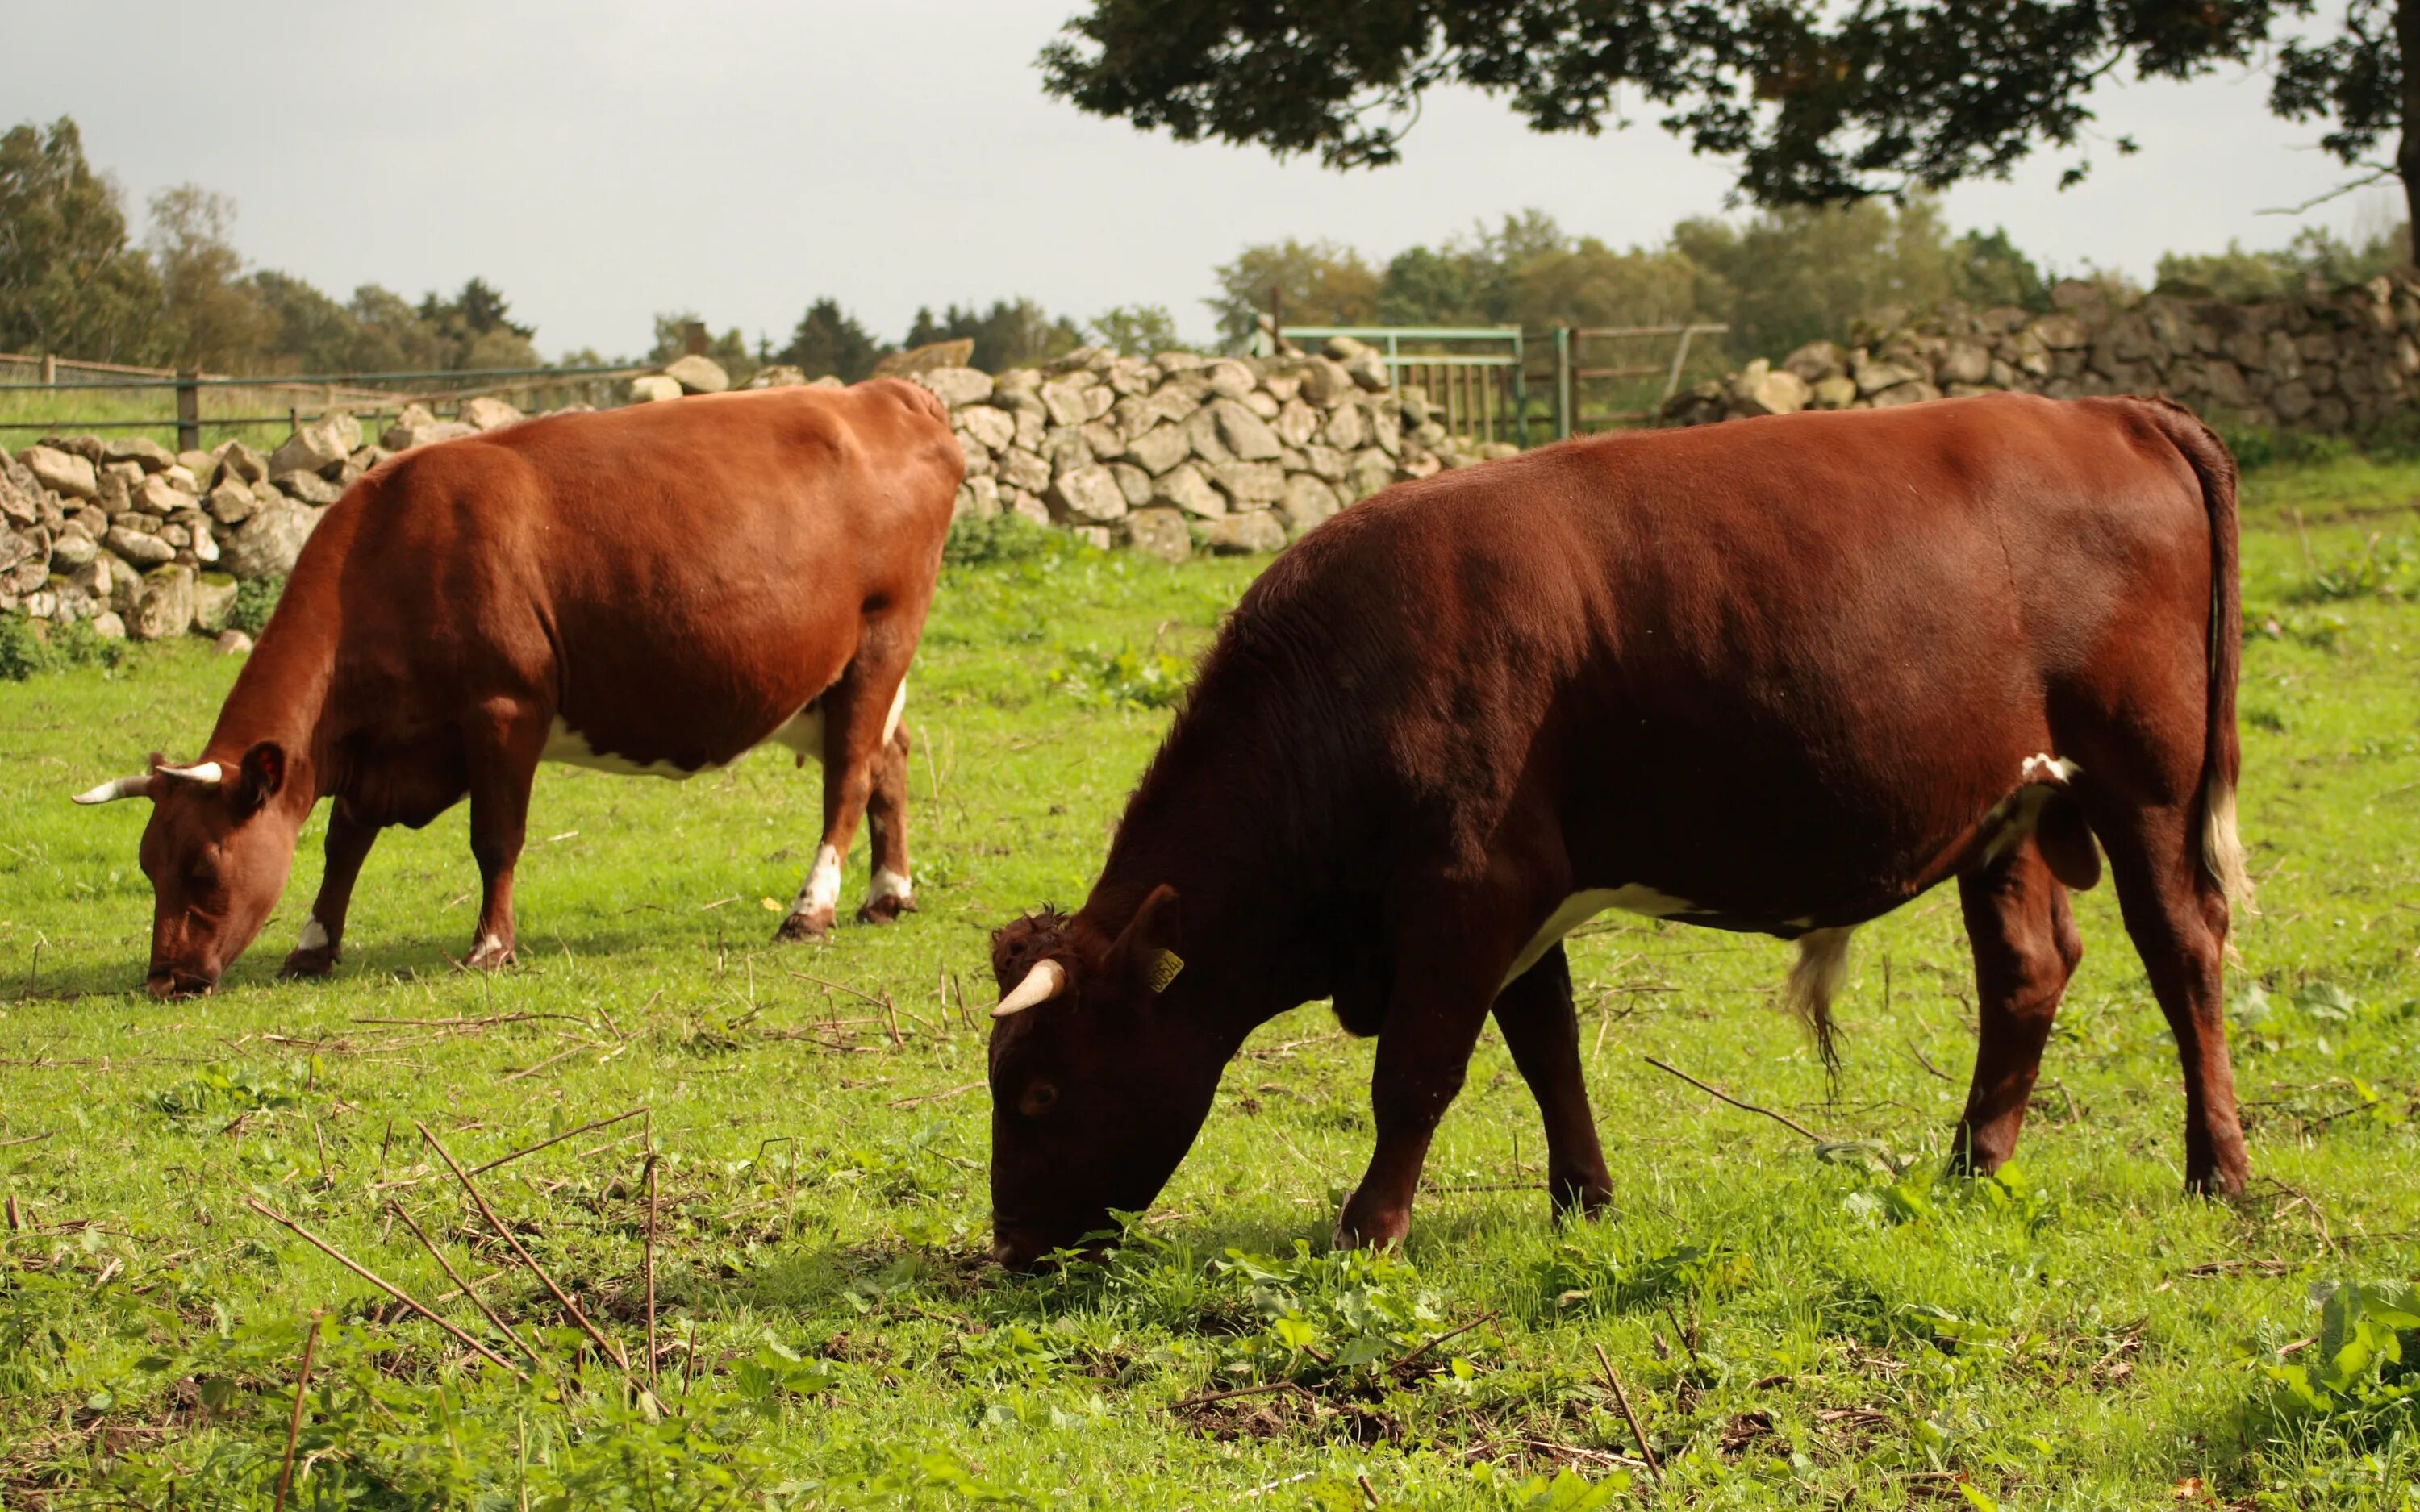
(1794, 1326)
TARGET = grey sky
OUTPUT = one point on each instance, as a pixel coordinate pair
(601, 161)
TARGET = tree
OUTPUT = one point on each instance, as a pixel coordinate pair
(830, 340)
(475, 328)
(1819, 104)
(1011, 333)
(68, 281)
(730, 349)
(1320, 282)
(1135, 329)
(211, 317)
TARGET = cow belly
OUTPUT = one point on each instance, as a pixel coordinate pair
(803, 732)
(1577, 909)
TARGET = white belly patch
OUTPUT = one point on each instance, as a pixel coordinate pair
(1577, 909)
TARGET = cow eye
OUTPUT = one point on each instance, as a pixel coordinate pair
(1037, 1100)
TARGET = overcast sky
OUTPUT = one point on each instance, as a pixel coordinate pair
(602, 160)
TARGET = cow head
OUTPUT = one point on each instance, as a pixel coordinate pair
(1099, 1078)
(217, 851)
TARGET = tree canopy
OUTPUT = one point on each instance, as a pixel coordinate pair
(1818, 104)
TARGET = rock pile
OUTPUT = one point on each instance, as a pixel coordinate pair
(2329, 363)
(1177, 453)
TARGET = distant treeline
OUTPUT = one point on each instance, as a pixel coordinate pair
(73, 282)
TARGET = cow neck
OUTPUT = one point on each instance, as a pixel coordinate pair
(1210, 820)
(282, 695)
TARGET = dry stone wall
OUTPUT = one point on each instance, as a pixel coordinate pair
(2339, 362)
(1170, 455)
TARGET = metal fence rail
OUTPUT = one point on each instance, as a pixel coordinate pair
(1483, 394)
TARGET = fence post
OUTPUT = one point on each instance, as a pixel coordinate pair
(1520, 392)
(50, 368)
(1563, 383)
(189, 410)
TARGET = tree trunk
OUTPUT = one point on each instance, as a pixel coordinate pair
(2407, 156)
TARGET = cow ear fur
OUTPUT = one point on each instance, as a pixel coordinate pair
(1149, 950)
(259, 775)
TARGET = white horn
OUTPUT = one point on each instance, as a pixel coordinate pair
(1040, 986)
(117, 788)
(208, 774)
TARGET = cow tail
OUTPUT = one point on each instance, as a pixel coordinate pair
(2222, 845)
(1816, 977)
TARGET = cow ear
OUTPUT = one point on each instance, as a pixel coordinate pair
(1150, 950)
(259, 777)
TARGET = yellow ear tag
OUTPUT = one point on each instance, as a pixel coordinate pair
(1163, 968)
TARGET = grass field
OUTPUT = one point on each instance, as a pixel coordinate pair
(1795, 1324)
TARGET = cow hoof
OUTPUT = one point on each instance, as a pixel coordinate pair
(1370, 1230)
(489, 954)
(1581, 1200)
(312, 963)
(884, 910)
(813, 925)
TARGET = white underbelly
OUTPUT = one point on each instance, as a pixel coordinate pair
(1577, 909)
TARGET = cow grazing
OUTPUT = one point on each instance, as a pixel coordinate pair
(1778, 676)
(652, 590)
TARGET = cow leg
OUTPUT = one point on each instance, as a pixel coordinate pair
(857, 714)
(1445, 976)
(1542, 1028)
(502, 752)
(2026, 947)
(2178, 918)
(891, 892)
(323, 935)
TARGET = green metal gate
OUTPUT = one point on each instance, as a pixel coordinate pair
(1473, 377)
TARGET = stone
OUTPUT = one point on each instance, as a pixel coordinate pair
(311, 489)
(1132, 376)
(994, 427)
(1032, 426)
(72, 548)
(1102, 439)
(1184, 487)
(200, 464)
(1347, 428)
(158, 497)
(62, 473)
(1325, 384)
(918, 362)
(777, 375)
(1249, 484)
(166, 607)
(1244, 433)
(1762, 389)
(402, 437)
(213, 601)
(979, 460)
(978, 498)
(1026, 505)
(648, 389)
(323, 443)
(1369, 370)
(1814, 362)
(2061, 332)
(244, 465)
(1963, 361)
(1874, 377)
(366, 458)
(107, 625)
(1835, 393)
(1255, 531)
(139, 549)
(1065, 452)
(697, 374)
(487, 412)
(1063, 399)
(1344, 348)
(1090, 493)
(1202, 429)
(1160, 448)
(1912, 393)
(266, 545)
(1133, 481)
(142, 450)
(197, 527)
(957, 385)
(1232, 380)
(1373, 470)
(229, 643)
(1174, 403)
(1296, 423)
(1021, 469)
(1306, 501)
(1327, 462)
(1096, 536)
(1160, 533)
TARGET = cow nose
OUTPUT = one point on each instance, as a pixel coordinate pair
(164, 984)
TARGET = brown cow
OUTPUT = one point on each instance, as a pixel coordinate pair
(656, 590)
(1781, 677)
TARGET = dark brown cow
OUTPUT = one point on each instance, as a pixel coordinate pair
(1780, 676)
(654, 589)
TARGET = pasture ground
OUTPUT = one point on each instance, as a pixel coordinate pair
(1796, 1323)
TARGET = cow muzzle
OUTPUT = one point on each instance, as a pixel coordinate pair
(167, 981)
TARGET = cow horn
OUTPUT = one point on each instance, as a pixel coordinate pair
(117, 788)
(1040, 986)
(208, 774)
